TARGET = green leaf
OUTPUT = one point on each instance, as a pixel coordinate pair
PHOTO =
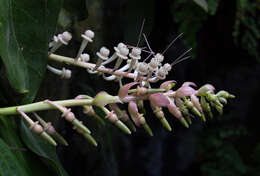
(28, 161)
(43, 149)
(202, 3)
(26, 27)
(9, 165)
(64, 20)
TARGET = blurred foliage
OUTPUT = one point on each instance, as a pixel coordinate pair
(247, 26)
(225, 150)
(190, 19)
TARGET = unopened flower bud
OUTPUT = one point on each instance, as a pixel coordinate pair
(213, 98)
(225, 94)
(103, 98)
(49, 128)
(111, 116)
(204, 89)
(206, 107)
(222, 100)
(36, 128)
(68, 115)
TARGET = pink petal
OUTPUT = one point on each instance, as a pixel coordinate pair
(188, 84)
(195, 101)
(158, 99)
(124, 90)
(185, 91)
(133, 111)
(165, 84)
(174, 110)
(132, 108)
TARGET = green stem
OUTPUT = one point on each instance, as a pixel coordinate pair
(148, 91)
(40, 106)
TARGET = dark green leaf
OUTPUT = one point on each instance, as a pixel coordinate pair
(43, 149)
(9, 165)
(202, 3)
(29, 163)
(65, 20)
(26, 28)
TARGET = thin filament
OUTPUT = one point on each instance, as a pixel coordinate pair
(180, 57)
(140, 34)
(185, 58)
(147, 43)
(172, 43)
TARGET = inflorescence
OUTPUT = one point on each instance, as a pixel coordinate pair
(184, 103)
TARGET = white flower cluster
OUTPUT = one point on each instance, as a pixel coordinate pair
(125, 59)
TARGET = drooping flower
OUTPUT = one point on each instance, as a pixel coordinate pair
(186, 90)
(168, 84)
(123, 92)
(158, 99)
(135, 115)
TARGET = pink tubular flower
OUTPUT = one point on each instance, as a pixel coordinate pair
(133, 111)
(186, 90)
(165, 84)
(123, 92)
(158, 99)
(173, 109)
(196, 103)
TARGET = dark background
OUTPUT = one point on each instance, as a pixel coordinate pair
(225, 42)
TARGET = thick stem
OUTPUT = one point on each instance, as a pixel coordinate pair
(91, 66)
(39, 106)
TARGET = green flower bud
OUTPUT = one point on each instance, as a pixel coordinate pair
(222, 100)
(184, 122)
(103, 98)
(217, 107)
(193, 109)
(225, 94)
(213, 98)
(206, 107)
(147, 129)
